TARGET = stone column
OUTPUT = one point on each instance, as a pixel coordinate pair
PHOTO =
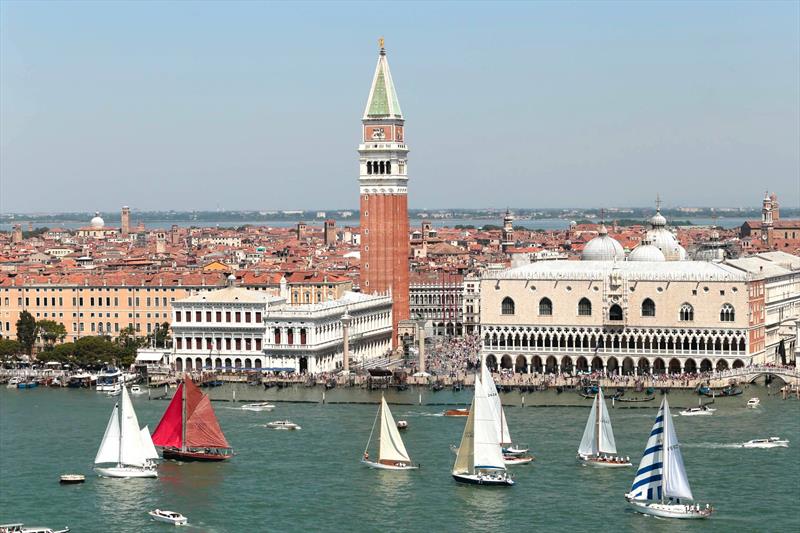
(346, 320)
(421, 335)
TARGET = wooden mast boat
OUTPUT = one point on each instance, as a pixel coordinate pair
(598, 447)
(189, 429)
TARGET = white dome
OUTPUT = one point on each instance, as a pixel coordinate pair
(664, 240)
(658, 220)
(646, 252)
(97, 222)
(602, 248)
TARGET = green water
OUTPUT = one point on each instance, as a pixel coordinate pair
(311, 479)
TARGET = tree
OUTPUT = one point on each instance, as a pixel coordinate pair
(10, 348)
(50, 331)
(160, 335)
(26, 331)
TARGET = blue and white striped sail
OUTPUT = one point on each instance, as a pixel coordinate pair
(648, 483)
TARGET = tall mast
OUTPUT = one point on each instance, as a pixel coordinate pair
(119, 425)
(664, 448)
(183, 414)
(597, 419)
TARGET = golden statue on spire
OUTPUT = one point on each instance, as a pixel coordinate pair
(380, 43)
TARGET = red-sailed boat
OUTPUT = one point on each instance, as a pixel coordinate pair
(189, 430)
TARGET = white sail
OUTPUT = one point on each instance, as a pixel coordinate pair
(131, 451)
(109, 447)
(647, 485)
(150, 451)
(487, 453)
(607, 444)
(588, 444)
(391, 444)
(676, 484)
(466, 450)
(503, 435)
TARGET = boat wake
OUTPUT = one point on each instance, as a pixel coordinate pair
(711, 445)
(414, 413)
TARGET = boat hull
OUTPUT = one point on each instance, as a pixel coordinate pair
(182, 521)
(126, 472)
(664, 510)
(514, 460)
(186, 456)
(766, 445)
(381, 466)
(475, 479)
(590, 461)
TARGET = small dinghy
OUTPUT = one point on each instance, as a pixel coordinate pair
(283, 424)
(598, 447)
(456, 412)
(772, 442)
(169, 517)
(136, 389)
(262, 406)
(392, 453)
(72, 479)
(402, 424)
(661, 486)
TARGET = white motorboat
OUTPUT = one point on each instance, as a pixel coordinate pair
(702, 410)
(169, 517)
(598, 447)
(283, 424)
(752, 403)
(661, 482)
(480, 458)
(392, 453)
(115, 392)
(72, 479)
(512, 454)
(12, 384)
(20, 528)
(402, 424)
(136, 389)
(125, 445)
(262, 406)
(109, 380)
(772, 442)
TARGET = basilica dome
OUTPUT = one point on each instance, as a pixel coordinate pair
(602, 248)
(97, 222)
(646, 252)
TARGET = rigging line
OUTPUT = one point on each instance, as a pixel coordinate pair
(366, 448)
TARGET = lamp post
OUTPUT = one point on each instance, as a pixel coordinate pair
(346, 321)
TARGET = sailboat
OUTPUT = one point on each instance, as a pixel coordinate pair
(661, 482)
(392, 454)
(150, 452)
(123, 444)
(189, 430)
(512, 455)
(598, 447)
(480, 458)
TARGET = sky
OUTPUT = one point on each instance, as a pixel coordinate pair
(204, 105)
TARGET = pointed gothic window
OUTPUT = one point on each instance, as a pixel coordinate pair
(508, 306)
(545, 307)
(687, 313)
(648, 307)
(727, 313)
(615, 312)
(584, 307)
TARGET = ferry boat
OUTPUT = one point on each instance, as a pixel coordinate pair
(772, 442)
(189, 429)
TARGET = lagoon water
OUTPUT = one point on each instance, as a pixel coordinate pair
(311, 480)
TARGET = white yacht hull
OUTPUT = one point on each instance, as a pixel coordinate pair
(594, 462)
(698, 413)
(381, 466)
(514, 450)
(666, 510)
(514, 460)
(126, 472)
(765, 445)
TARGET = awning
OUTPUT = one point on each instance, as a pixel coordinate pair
(149, 356)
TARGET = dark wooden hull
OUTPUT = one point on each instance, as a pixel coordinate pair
(188, 455)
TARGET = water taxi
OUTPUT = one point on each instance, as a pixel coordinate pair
(262, 406)
(169, 517)
(772, 442)
(283, 424)
(752, 403)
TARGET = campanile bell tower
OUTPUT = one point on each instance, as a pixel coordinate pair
(383, 184)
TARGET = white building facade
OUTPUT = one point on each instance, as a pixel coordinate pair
(236, 329)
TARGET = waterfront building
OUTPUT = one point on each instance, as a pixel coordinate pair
(639, 316)
(236, 329)
(383, 185)
(438, 298)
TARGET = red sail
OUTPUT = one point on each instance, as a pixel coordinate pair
(202, 427)
(168, 432)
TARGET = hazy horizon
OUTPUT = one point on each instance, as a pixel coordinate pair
(256, 106)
